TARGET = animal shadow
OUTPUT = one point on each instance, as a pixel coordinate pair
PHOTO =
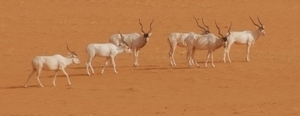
(18, 87)
(70, 75)
(153, 67)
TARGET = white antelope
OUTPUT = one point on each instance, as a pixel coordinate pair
(56, 62)
(108, 50)
(205, 42)
(244, 37)
(135, 41)
(178, 39)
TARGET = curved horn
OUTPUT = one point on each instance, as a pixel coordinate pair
(218, 30)
(151, 26)
(229, 29)
(259, 21)
(122, 38)
(68, 48)
(73, 53)
(253, 22)
(205, 25)
(141, 25)
(199, 25)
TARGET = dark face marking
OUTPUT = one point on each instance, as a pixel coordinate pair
(146, 35)
(261, 28)
(224, 39)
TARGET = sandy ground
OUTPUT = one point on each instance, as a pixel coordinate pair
(267, 85)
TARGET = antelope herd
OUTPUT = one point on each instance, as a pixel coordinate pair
(118, 43)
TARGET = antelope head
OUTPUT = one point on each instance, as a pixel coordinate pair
(123, 43)
(261, 27)
(122, 39)
(148, 34)
(224, 38)
(73, 55)
(205, 31)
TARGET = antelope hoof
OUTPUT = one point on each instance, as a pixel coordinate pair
(135, 65)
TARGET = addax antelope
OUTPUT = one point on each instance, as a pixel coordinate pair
(108, 50)
(208, 42)
(244, 37)
(56, 62)
(135, 41)
(178, 39)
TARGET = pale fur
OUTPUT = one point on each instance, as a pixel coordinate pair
(207, 42)
(135, 41)
(244, 37)
(108, 50)
(53, 63)
(178, 39)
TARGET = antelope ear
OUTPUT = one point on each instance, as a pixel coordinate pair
(149, 34)
(142, 33)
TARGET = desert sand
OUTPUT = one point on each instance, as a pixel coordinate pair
(267, 85)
